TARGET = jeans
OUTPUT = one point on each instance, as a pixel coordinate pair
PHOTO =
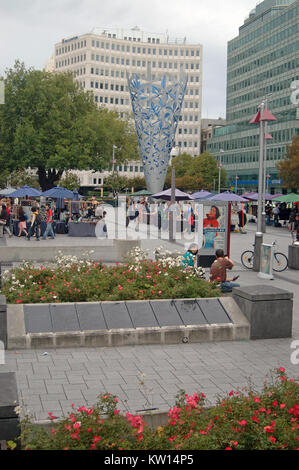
(49, 231)
(33, 229)
(227, 286)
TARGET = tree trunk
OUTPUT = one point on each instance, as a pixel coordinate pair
(48, 178)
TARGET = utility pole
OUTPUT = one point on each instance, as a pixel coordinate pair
(172, 204)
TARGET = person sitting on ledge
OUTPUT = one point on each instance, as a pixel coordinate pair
(190, 256)
(218, 272)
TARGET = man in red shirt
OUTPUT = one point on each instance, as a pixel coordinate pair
(49, 229)
(218, 272)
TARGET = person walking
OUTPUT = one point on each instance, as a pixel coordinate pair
(49, 221)
(4, 221)
(276, 212)
(35, 224)
(22, 225)
(218, 272)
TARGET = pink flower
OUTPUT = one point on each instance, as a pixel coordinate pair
(243, 422)
(282, 369)
(77, 426)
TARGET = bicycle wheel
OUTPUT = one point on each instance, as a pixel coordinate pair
(247, 259)
(280, 262)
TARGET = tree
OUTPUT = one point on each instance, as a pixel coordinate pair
(195, 173)
(289, 167)
(120, 183)
(50, 123)
(18, 178)
(70, 181)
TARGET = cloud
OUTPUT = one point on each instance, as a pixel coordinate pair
(29, 29)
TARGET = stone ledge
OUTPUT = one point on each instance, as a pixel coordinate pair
(132, 337)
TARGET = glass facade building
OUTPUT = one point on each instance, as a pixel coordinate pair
(262, 63)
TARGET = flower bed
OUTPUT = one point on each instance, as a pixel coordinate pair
(241, 421)
(74, 280)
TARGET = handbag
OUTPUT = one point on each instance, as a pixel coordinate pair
(2, 222)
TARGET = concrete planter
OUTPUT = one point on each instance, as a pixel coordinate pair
(108, 324)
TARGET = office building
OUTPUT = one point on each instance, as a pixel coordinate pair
(101, 60)
(262, 63)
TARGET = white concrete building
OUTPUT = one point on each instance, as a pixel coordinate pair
(101, 60)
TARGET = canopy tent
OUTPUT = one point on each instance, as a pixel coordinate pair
(201, 194)
(144, 192)
(59, 193)
(255, 196)
(228, 197)
(276, 195)
(247, 195)
(25, 191)
(292, 197)
(6, 191)
(179, 195)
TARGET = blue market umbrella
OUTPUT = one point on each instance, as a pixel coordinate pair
(4, 192)
(201, 194)
(25, 191)
(59, 193)
(228, 197)
(60, 203)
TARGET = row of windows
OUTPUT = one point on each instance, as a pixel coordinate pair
(285, 135)
(145, 50)
(125, 102)
(185, 144)
(266, 28)
(121, 74)
(111, 100)
(264, 60)
(276, 153)
(255, 94)
(71, 60)
(280, 69)
(71, 47)
(188, 131)
(263, 45)
(141, 63)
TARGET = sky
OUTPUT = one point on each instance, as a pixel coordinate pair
(30, 28)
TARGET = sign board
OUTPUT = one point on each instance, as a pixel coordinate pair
(266, 265)
(213, 228)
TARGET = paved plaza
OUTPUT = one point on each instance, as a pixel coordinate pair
(146, 377)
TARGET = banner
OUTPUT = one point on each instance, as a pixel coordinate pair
(215, 228)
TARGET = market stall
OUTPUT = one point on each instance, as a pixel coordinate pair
(84, 228)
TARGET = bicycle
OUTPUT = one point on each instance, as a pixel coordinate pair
(280, 261)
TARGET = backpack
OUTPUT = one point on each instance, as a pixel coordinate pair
(38, 219)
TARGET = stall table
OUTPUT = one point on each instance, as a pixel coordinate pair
(82, 229)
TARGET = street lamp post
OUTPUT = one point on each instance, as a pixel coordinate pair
(236, 188)
(260, 118)
(220, 167)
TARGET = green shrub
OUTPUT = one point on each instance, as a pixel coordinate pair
(74, 280)
(241, 421)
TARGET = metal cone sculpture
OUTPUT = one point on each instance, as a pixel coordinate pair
(156, 107)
